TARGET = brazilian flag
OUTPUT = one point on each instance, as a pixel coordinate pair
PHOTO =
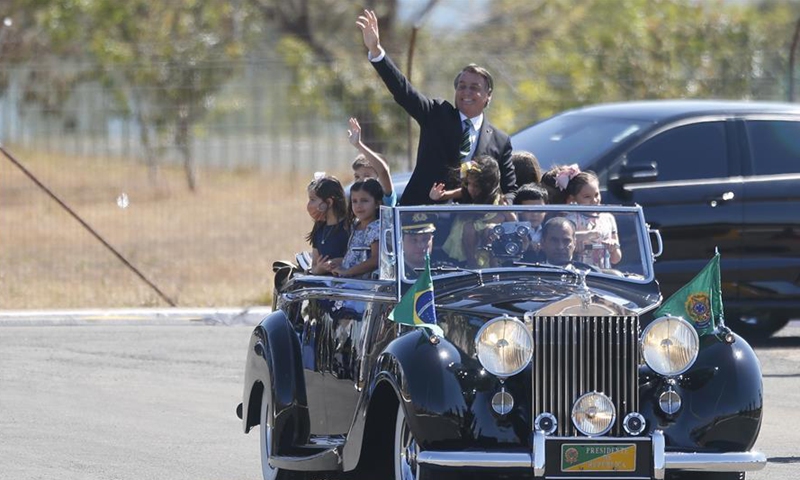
(699, 301)
(416, 308)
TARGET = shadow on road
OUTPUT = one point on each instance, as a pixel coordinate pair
(784, 460)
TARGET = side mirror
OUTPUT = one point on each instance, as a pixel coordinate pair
(630, 175)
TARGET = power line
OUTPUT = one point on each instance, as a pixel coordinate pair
(85, 225)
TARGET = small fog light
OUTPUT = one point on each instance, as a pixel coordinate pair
(593, 414)
(546, 422)
(502, 402)
(634, 423)
(670, 402)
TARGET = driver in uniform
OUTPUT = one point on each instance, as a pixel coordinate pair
(417, 241)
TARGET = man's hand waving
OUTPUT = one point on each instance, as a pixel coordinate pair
(368, 23)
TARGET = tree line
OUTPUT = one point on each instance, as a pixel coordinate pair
(546, 55)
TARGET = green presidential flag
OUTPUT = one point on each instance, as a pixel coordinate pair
(699, 301)
(416, 308)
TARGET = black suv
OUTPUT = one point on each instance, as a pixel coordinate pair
(709, 174)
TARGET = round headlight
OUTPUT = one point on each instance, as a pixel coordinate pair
(504, 346)
(593, 414)
(670, 345)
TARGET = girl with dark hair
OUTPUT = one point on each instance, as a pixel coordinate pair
(328, 237)
(596, 233)
(361, 259)
(556, 180)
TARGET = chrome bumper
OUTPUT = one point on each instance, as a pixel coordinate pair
(662, 460)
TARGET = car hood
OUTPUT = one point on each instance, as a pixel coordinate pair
(497, 294)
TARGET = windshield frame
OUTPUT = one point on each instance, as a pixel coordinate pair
(644, 245)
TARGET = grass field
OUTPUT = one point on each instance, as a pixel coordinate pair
(214, 247)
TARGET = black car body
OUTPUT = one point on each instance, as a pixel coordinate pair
(542, 371)
(709, 174)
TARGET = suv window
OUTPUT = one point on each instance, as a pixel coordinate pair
(691, 151)
(774, 146)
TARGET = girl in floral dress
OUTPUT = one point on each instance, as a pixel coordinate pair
(596, 232)
(361, 259)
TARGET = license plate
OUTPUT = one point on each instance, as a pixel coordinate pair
(598, 457)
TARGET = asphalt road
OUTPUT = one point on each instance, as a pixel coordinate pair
(110, 400)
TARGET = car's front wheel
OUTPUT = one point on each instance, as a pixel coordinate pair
(406, 450)
(268, 471)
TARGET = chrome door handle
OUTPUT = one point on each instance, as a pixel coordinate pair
(724, 198)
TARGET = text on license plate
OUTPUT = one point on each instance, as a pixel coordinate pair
(598, 457)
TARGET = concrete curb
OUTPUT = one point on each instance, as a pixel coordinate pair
(136, 316)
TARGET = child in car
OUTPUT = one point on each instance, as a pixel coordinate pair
(328, 237)
(361, 258)
(369, 164)
(482, 186)
(596, 233)
(532, 194)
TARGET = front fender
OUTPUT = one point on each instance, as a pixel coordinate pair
(722, 399)
(446, 395)
(274, 363)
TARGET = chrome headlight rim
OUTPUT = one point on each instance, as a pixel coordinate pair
(687, 325)
(518, 324)
(608, 427)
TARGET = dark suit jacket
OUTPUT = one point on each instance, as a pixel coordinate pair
(440, 138)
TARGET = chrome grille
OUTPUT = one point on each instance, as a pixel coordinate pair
(575, 355)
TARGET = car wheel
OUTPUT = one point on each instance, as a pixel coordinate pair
(268, 472)
(405, 452)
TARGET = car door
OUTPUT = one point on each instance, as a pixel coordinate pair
(770, 274)
(695, 200)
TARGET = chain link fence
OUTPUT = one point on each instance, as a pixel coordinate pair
(256, 145)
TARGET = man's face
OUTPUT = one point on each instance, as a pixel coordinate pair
(363, 173)
(559, 244)
(535, 218)
(415, 246)
(472, 94)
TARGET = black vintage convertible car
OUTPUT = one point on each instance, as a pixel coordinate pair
(546, 360)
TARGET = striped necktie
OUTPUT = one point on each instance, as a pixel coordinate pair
(465, 146)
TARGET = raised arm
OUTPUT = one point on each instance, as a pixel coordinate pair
(380, 166)
(415, 103)
(368, 23)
